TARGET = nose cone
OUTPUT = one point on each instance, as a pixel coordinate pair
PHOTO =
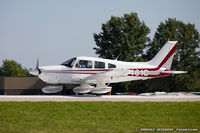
(34, 72)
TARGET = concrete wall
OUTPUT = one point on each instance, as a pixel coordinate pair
(27, 86)
(21, 85)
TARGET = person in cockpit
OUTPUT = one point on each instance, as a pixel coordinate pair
(82, 64)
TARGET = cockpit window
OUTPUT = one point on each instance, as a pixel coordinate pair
(84, 64)
(99, 64)
(69, 63)
(111, 65)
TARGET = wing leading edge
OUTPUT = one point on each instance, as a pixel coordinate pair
(104, 77)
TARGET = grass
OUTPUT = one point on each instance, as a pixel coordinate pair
(92, 117)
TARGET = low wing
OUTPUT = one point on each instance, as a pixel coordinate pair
(104, 77)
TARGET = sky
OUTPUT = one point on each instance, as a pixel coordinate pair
(57, 30)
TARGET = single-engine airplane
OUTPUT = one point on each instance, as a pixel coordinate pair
(95, 74)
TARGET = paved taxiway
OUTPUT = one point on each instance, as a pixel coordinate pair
(117, 98)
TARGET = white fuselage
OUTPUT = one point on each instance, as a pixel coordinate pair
(62, 74)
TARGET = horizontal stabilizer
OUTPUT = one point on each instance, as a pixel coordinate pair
(174, 72)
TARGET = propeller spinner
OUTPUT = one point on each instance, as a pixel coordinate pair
(36, 71)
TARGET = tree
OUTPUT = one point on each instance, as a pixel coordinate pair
(12, 68)
(187, 55)
(125, 37)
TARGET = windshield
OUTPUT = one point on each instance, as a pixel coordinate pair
(69, 63)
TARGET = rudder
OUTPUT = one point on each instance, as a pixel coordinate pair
(165, 56)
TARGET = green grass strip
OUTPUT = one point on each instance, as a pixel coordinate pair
(96, 117)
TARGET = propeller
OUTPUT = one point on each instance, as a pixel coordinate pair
(36, 71)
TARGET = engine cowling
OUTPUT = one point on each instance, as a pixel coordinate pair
(101, 90)
(52, 89)
(85, 88)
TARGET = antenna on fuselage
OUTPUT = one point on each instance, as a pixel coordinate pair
(136, 59)
(118, 56)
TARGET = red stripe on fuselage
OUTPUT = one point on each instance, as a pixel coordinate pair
(89, 70)
(68, 72)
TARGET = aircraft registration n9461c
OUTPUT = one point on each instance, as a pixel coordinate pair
(94, 74)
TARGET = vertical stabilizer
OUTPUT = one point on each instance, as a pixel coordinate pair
(165, 56)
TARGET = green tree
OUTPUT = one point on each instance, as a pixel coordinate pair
(187, 55)
(125, 36)
(12, 68)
